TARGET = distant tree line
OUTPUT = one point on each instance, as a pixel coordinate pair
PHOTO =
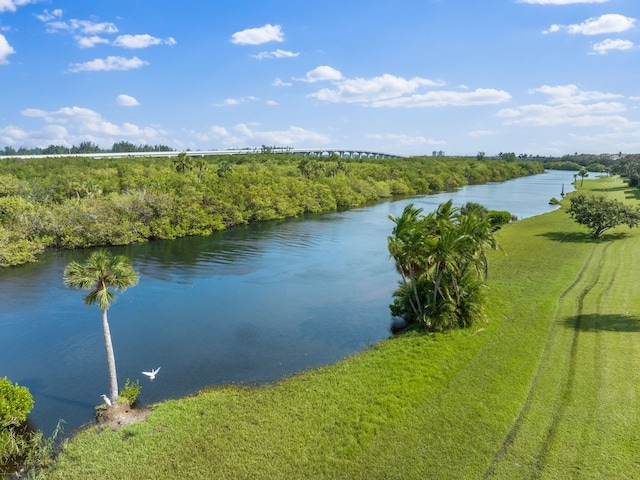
(628, 168)
(77, 202)
(84, 147)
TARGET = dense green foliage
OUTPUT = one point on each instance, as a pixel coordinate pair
(74, 202)
(15, 403)
(599, 213)
(130, 391)
(546, 389)
(441, 258)
(629, 168)
(16, 442)
(101, 274)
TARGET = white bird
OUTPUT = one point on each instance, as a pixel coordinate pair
(106, 399)
(152, 374)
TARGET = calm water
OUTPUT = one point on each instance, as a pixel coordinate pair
(250, 305)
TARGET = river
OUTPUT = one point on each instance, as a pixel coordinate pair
(250, 305)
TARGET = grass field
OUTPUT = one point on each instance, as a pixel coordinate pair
(547, 388)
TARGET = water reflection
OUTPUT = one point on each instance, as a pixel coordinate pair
(249, 305)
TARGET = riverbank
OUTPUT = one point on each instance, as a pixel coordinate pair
(544, 389)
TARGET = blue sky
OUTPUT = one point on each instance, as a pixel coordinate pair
(408, 77)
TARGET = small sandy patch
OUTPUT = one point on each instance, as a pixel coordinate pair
(119, 415)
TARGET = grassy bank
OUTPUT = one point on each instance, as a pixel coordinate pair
(546, 389)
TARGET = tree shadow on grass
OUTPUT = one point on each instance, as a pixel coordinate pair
(629, 192)
(582, 237)
(603, 323)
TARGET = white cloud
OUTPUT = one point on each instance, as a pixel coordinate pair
(47, 16)
(141, 41)
(292, 136)
(84, 27)
(604, 47)
(276, 54)
(391, 91)
(443, 98)
(258, 36)
(71, 125)
(562, 94)
(569, 105)
(5, 50)
(608, 23)
(277, 82)
(12, 5)
(560, 2)
(272, 103)
(361, 90)
(230, 102)
(243, 135)
(108, 64)
(90, 42)
(127, 101)
(219, 132)
(322, 73)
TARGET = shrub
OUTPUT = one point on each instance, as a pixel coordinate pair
(497, 218)
(15, 403)
(130, 392)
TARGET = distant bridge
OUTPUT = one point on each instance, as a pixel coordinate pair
(315, 152)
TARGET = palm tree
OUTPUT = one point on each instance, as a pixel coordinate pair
(99, 274)
(442, 259)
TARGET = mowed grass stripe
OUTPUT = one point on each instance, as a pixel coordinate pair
(524, 454)
(601, 433)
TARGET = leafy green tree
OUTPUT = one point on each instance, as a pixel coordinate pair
(599, 213)
(442, 260)
(101, 273)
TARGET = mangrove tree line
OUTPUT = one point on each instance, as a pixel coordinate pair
(75, 202)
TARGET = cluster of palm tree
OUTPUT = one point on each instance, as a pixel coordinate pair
(442, 260)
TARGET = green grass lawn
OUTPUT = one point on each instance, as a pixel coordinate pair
(547, 388)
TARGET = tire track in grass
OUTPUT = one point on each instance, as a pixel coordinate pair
(517, 425)
(567, 389)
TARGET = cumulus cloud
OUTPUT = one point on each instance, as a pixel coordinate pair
(90, 42)
(563, 94)
(276, 54)
(85, 27)
(608, 23)
(278, 82)
(12, 5)
(141, 41)
(230, 102)
(391, 91)
(291, 136)
(88, 34)
(5, 50)
(71, 125)
(127, 101)
(250, 134)
(322, 73)
(108, 64)
(604, 47)
(568, 105)
(258, 36)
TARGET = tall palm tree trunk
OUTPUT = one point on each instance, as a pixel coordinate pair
(111, 359)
